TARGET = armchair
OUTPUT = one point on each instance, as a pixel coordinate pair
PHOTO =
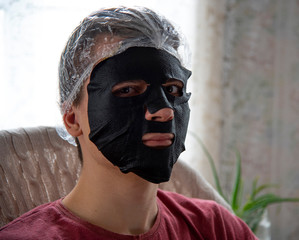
(37, 166)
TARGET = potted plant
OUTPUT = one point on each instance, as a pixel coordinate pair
(252, 209)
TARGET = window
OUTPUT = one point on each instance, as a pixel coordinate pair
(32, 36)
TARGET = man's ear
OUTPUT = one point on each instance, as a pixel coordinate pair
(71, 124)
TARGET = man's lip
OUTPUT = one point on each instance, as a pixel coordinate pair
(157, 139)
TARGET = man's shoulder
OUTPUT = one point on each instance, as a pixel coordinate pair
(181, 201)
(206, 216)
(37, 219)
(32, 214)
(201, 209)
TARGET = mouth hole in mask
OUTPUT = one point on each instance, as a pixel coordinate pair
(158, 140)
(129, 88)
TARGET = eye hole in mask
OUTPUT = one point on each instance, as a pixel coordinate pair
(129, 88)
(174, 87)
(137, 87)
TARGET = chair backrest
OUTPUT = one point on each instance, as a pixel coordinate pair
(37, 166)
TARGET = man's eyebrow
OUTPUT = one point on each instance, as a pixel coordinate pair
(173, 80)
(133, 82)
(136, 81)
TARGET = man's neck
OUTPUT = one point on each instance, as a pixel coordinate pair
(121, 203)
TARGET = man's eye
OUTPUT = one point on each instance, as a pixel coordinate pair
(129, 88)
(174, 89)
(125, 90)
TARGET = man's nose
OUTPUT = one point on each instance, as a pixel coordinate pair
(162, 115)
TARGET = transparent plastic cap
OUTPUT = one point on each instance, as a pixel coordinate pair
(96, 37)
(108, 32)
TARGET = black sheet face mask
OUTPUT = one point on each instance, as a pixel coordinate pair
(118, 123)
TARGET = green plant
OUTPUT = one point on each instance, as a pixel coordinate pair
(252, 209)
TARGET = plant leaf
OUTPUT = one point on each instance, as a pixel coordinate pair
(235, 200)
(261, 188)
(253, 219)
(265, 200)
(253, 189)
(212, 164)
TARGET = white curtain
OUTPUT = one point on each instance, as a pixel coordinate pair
(247, 90)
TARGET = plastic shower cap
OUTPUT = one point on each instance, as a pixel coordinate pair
(108, 32)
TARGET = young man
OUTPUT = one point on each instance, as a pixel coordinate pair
(123, 97)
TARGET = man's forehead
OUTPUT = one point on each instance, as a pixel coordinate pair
(147, 63)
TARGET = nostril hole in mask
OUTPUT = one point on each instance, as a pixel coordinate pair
(129, 88)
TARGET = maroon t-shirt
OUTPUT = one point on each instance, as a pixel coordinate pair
(179, 218)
